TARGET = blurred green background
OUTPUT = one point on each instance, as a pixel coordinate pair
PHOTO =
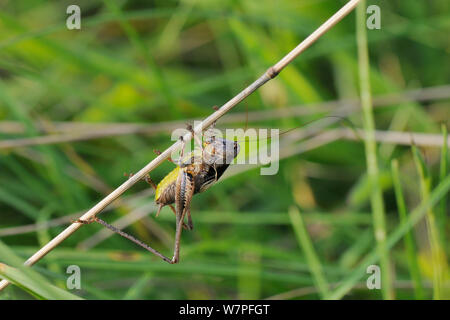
(105, 96)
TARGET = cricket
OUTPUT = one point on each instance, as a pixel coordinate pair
(195, 173)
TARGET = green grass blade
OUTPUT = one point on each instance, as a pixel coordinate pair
(353, 254)
(443, 169)
(135, 291)
(311, 256)
(409, 238)
(249, 273)
(28, 279)
(416, 215)
(371, 151)
(437, 258)
(145, 52)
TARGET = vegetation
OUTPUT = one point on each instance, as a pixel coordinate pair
(79, 108)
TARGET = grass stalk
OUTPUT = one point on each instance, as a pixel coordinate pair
(443, 169)
(437, 259)
(409, 238)
(312, 259)
(135, 40)
(416, 215)
(376, 199)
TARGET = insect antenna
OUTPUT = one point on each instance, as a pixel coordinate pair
(342, 120)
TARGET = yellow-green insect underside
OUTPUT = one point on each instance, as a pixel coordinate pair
(169, 179)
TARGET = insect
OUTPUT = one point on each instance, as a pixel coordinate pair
(195, 173)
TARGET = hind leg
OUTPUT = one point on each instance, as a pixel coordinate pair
(150, 182)
(130, 237)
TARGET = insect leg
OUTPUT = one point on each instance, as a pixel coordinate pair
(127, 236)
(196, 138)
(176, 250)
(215, 170)
(183, 144)
(159, 210)
(190, 225)
(214, 123)
(168, 159)
(183, 196)
(150, 182)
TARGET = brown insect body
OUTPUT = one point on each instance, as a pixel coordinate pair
(197, 171)
(194, 173)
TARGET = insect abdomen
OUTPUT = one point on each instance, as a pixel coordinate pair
(165, 190)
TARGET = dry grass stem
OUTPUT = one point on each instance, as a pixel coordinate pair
(64, 132)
